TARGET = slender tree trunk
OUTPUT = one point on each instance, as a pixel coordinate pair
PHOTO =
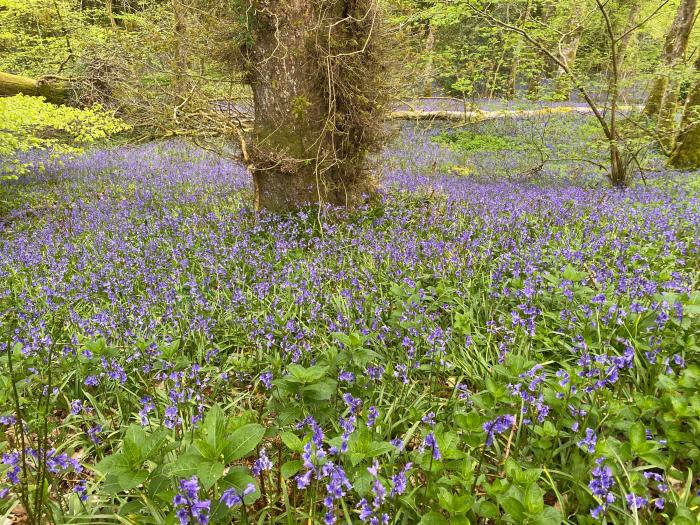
(180, 62)
(15, 84)
(316, 74)
(686, 153)
(633, 20)
(674, 49)
(568, 50)
(429, 68)
(517, 50)
(109, 7)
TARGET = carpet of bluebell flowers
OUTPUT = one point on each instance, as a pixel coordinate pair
(468, 350)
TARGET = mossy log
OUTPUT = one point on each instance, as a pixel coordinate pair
(480, 116)
(51, 90)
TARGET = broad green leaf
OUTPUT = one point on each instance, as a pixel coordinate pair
(134, 443)
(534, 499)
(433, 518)
(292, 442)
(115, 464)
(209, 472)
(548, 516)
(290, 468)
(243, 441)
(184, 466)
(214, 428)
(637, 435)
(513, 507)
(131, 479)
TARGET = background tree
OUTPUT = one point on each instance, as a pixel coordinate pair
(662, 102)
(622, 153)
(686, 154)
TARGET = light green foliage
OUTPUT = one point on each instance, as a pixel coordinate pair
(31, 123)
(470, 141)
(473, 58)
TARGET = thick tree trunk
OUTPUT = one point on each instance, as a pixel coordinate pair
(15, 84)
(316, 74)
(686, 154)
(663, 94)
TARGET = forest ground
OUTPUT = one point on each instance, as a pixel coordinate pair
(502, 337)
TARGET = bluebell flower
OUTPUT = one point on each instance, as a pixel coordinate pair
(261, 464)
(429, 419)
(189, 508)
(589, 442)
(346, 377)
(399, 481)
(266, 379)
(431, 443)
(636, 502)
(232, 497)
(601, 484)
(372, 415)
(497, 426)
(81, 490)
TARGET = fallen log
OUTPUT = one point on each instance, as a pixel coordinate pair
(480, 116)
(46, 87)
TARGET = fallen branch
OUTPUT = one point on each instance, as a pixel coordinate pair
(480, 116)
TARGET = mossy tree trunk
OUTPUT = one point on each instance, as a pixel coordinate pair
(686, 154)
(316, 72)
(663, 95)
(15, 84)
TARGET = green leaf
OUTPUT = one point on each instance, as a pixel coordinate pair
(377, 448)
(292, 442)
(549, 516)
(433, 518)
(290, 468)
(184, 466)
(487, 509)
(321, 391)
(513, 507)
(115, 464)
(571, 274)
(529, 476)
(243, 441)
(299, 374)
(209, 472)
(534, 499)
(637, 435)
(205, 449)
(133, 478)
(134, 443)
(214, 428)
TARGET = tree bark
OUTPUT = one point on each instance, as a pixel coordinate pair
(180, 63)
(15, 84)
(429, 68)
(568, 50)
(316, 74)
(686, 154)
(663, 94)
(109, 7)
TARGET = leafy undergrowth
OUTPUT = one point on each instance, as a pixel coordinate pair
(468, 141)
(466, 352)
